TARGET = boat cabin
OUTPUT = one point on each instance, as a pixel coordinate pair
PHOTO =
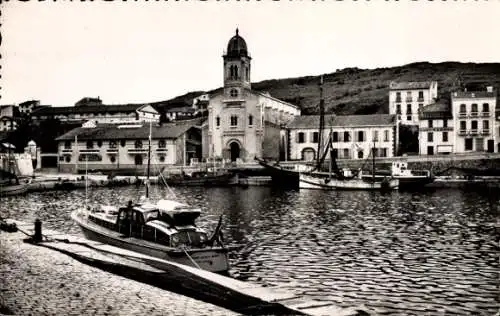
(169, 223)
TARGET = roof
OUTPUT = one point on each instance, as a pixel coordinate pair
(312, 121)
(439, 109)
(64, 110)
(411, 85)
(237, 46)
(266, 95)
(130, 131)
(181, 109)
(473, 94)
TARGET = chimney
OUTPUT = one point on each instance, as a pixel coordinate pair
(489, 89)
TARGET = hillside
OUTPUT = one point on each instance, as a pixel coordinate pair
(365, 91)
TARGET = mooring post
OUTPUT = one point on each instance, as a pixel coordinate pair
(37, 237)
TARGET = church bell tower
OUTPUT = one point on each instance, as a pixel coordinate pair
(236, 67)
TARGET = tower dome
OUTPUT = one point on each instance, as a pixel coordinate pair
(237, 46)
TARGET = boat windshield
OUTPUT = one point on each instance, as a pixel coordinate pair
(151, 215)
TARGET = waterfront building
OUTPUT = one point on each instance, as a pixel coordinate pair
(243, 123)
(125, 146)
(474, 121)
(93, 109)
(25, 108)
(8, 115)
(407, 98)
(436, 132)
(180, 113)
(353, 136)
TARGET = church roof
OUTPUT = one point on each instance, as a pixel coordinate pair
(237, 47)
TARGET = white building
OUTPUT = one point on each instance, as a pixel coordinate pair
(407, 98)
(29, 106)
(436, 133)
(353, 136)
(474, 120)
(99, 113)
(8, 117)
(125, 147)
(243, 123)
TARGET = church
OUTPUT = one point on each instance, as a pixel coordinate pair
(243, 123)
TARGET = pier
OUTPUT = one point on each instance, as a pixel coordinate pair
(66, 274)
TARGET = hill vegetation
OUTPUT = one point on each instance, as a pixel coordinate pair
(365, 91)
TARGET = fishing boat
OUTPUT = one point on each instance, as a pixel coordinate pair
(408, 178)
(12, 181)
(164, 229)
(283, 176)
(203, 178)
(10, 184)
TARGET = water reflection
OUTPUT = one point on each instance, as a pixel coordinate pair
(399, 253)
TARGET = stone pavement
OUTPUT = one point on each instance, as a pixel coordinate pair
(38, 281)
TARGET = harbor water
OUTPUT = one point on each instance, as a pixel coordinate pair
(402, 253)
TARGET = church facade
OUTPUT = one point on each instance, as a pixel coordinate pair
(243, 123)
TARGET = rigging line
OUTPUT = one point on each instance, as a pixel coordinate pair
(160, 175)
(187, 254)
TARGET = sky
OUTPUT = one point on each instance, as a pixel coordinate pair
(139, 52)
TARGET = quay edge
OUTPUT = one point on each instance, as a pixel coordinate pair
(222, 291)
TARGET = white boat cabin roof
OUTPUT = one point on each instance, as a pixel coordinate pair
(173, 207)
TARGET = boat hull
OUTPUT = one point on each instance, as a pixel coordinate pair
(13, 189)
(213, 259)
(312, 182)
(218, 180)
(281, 177)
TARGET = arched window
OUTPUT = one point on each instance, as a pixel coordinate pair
(360, 154)
(463, 108)
(235, 72)
(233, 93)
(217, 121)
(90, 144)
(162, 158)
(112, 159)
(138, 143)
(99, 143)
(123, 142)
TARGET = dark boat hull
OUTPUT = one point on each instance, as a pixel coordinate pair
(210, 180)
(281, 177)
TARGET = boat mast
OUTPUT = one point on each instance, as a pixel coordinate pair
(149, 160)
(321, 121)
(373, 162)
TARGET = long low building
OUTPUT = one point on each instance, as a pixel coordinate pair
(125, 146)
(353, 136)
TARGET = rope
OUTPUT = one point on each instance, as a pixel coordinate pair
(187, 254)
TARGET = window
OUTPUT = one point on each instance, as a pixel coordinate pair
(247, 73)
(408, 109)
(123, 142)
(335, 137)
(112, 144)
(430, 124)
(486, 108)
(90, 144)
(398, 108)
(99, 143)
(474, 109)
(383, 152)
(445, 137)
(250, 120)
(67, 144)
(463, 109)
(347, 137)
(375, 136)
(430, 137)
(346, 153)
(360, 154)
(138, 159)
(162, 158)
(300, 138)
(217, 121)
(386, 136)
(234, 120)
(233, 93)
(420, 95)
(408, 118)
(112, 159)
(445, 123)
(463, 125)
(420, 107)
(468, 144)
(398, 96)
(473, 125)
(162, 143)
(68, 158)
(486, 125)
(361, 136)
(315, 137)
(408, 96)
(138, 143)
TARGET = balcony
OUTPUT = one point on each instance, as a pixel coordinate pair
(398, 100)
(462, 132)
(485, 131)
(409, 100)
(112, 150)
(420, 100)
(89, 151)
(462, 114)
(485, 114)
(161, 149)
(474, 114)
(67, 150)
(137, 150)
(474, 132)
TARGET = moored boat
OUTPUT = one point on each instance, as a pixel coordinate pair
(203, 178)
(164, 230)
(309, 181)
(408, 178)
